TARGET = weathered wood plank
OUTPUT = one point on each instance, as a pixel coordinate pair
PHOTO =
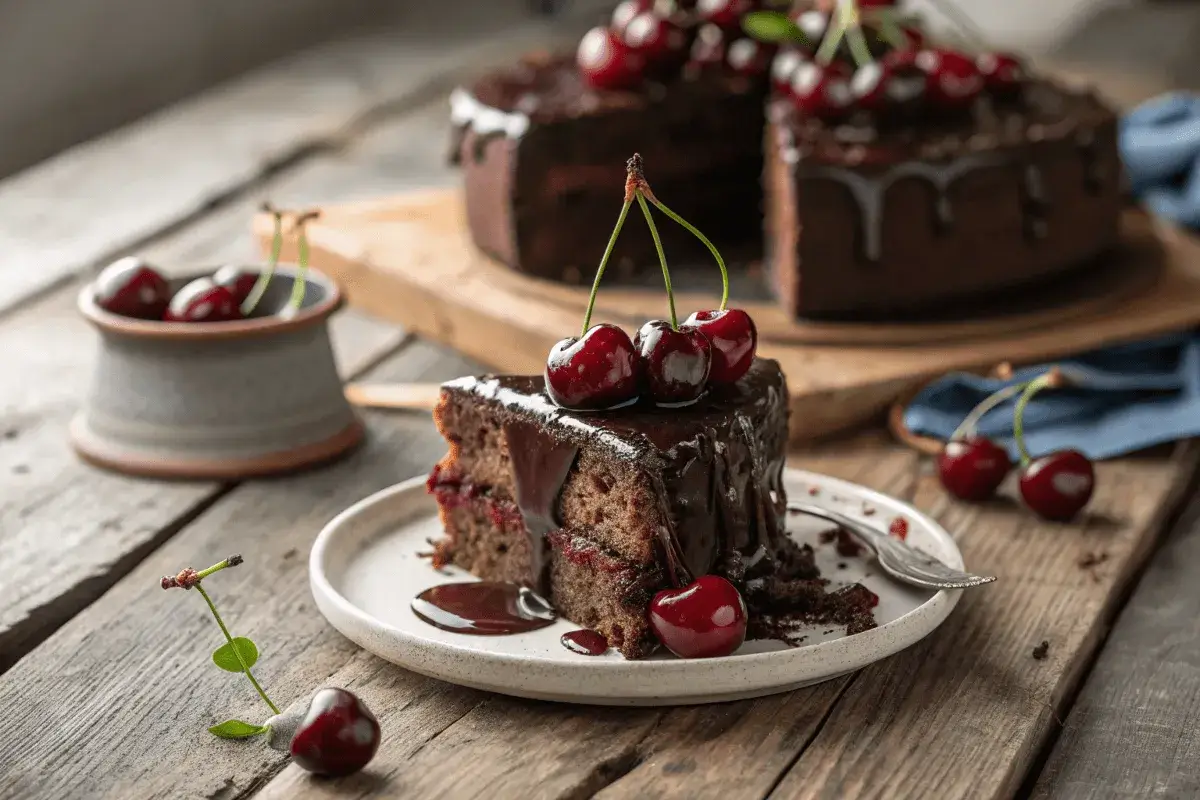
(70, 213)
(68, 531)
(1131, 731)
(116, 702)
(965, 712)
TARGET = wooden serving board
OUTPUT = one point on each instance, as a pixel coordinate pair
(409, 259)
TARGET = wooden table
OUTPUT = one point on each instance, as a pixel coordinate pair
(105, 682)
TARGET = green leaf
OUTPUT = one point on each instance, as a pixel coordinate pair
(236, 729)
(772, 27)
(225, 658)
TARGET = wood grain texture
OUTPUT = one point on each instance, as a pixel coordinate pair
(964, 713)
(1131, 731)
(115, 704)
(71, 213)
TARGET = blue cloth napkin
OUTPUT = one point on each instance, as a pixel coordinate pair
(1160, 147)
(1125, 398)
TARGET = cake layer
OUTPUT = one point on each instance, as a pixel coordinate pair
(543, 160)
(867, 222)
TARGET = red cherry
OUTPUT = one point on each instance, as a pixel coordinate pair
(595, 371)
(1002, 73)
(820, 91)
(132, 288)
(954, 80)
(238, 280)
(706, 619)
(1057, 486)
(203, 301)
(748, 57)
(656, 38)
(674, 363)
(606, 62)
(724, 13)
(339, 734)
(877, 3)
(893, 83)
(916, 39)
(708, 50)
(784, 67)
(625, 11)
(972, 468)
(813, 25)
(734, 340)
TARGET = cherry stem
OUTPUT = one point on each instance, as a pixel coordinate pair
(612, 241)
(230, 562)
(1051, 379)
(300, 285)
(662, 257)
(852, 25)
(829, 44)
(711, 247)
(965, 24)
(260, 285)
(991, 401)
(892, 32)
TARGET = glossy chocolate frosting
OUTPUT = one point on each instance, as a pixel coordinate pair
(715, 468)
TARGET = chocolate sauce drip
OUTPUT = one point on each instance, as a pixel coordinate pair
(585, 642)
(1093, 169)
(483, 608)
(1034, 202)
(540, 467)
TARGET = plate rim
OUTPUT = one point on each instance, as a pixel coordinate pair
(847, 652)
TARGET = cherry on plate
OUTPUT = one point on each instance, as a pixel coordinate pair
(973, 468)
(606, 62)
(674, 364)
(132, 288)
(595, 371)
(203, 301)
(706, 619)
(1057, 486)
(338, 735)
(734, 340)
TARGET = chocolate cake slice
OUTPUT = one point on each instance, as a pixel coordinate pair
(598, 511)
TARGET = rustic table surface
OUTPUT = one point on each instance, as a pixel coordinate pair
(105, 682)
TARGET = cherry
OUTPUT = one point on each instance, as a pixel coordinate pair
(748, 57)
(203, 301)
(813, 25)
(339, 734)
(734, 340)
(708, 49)
(238, 280)
(954, 80)
(656, 38)
(1057, 486)
(820, 91)
(1002, 73)
(132, 288)
(972, 468)
(916, 39)
(862, 4)
(893, 83)
(606, 62)
(784, 67)
(724, 13)
(674, 363)
(705, 619)
(625, 11)
(595, 371)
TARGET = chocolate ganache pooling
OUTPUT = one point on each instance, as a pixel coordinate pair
(718, 484)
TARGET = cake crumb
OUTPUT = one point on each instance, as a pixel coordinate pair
(813, 491)
(1040, 652)
(1092, 559)
(868, 510)
(439, 556)
(899, 528)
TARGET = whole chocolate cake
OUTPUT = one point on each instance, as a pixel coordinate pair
(900, 176)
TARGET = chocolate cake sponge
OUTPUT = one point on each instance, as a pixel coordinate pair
(598, 511)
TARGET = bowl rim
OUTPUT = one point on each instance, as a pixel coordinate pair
(109, 322)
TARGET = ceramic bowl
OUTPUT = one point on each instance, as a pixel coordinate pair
(217, 400)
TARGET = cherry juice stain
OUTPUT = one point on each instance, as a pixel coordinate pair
(483, 608)
(585, 642)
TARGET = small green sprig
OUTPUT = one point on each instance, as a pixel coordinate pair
(238, 654)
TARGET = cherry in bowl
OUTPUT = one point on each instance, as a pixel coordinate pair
(203, 301)
(132, 288)
(238, 280)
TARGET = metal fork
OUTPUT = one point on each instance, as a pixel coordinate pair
(898, 559)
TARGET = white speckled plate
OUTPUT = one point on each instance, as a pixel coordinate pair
(365, 570)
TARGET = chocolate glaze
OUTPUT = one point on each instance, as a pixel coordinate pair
(585, 642)
(483, 608)
(716, 468)
(540, 467)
